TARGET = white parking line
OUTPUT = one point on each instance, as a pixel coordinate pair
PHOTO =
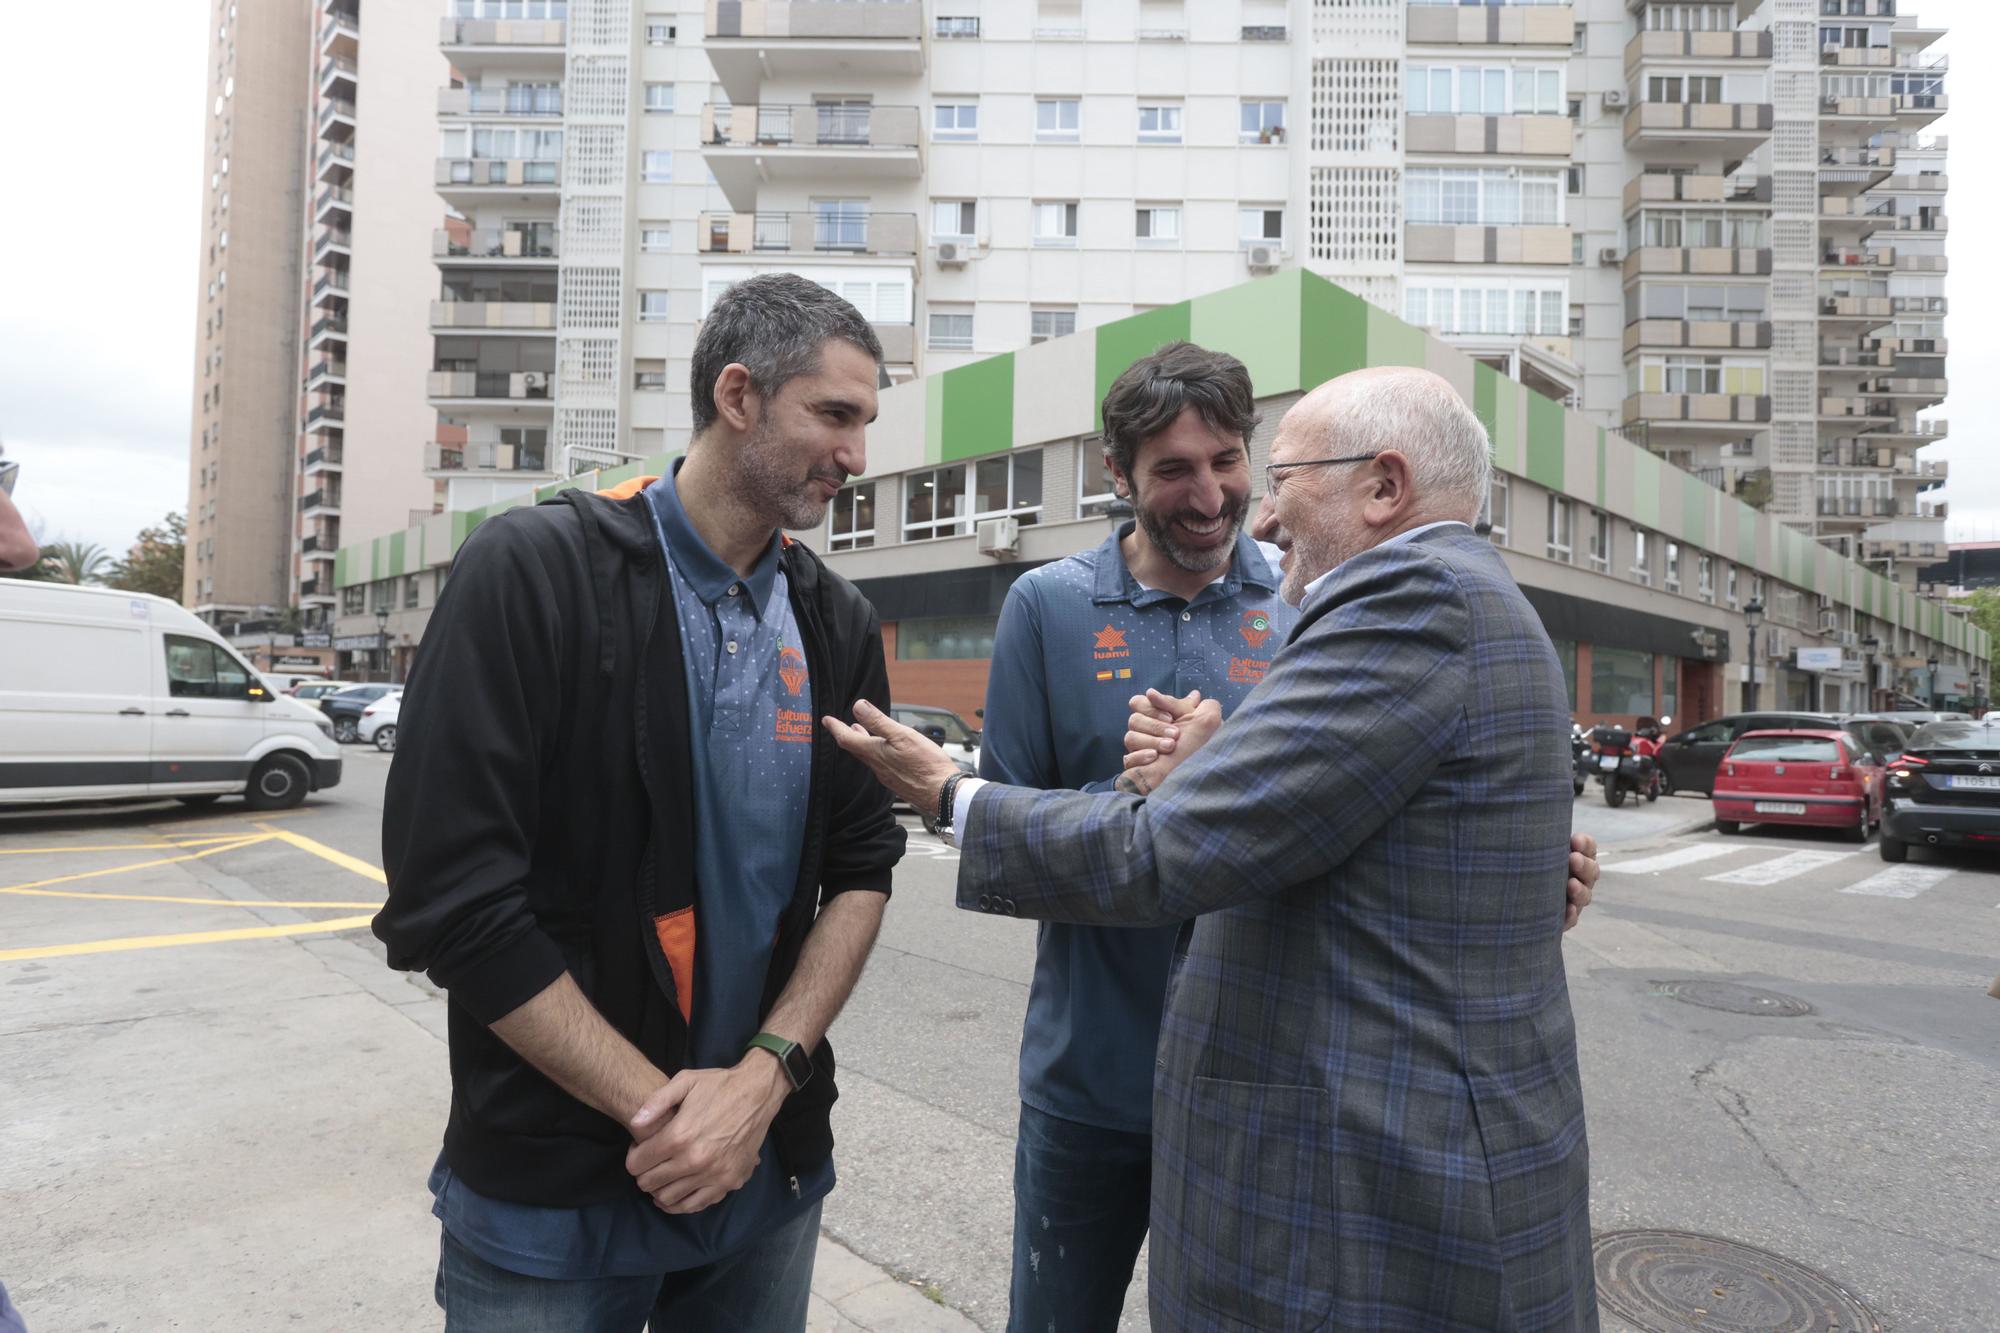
(1779, 869)
(1682, 856)
(1902, 881)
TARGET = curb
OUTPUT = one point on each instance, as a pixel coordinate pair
(848, 1293)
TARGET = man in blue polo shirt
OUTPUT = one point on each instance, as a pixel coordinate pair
(1178, 600)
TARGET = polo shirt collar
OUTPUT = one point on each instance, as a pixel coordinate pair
(1115, 582)
(705, 571)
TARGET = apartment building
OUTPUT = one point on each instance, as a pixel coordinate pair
(364, 412)
(247, 310)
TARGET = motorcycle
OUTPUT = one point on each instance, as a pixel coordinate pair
(1581, 765)
(1625, 765)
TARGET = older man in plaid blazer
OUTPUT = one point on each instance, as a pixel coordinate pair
(1367, 1113)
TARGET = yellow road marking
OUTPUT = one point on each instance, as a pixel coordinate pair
(326, 853)
(163, 898)
(168, 941)
(126, 846)
(249, 840)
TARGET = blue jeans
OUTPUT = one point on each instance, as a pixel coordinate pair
(761, 1289)
(1081, 1196)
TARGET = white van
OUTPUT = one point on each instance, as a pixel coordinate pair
(116, 694)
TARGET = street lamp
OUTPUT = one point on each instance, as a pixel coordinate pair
(1753, 616)
(1973, 684)
(1933, 664)
(382, 638)
(1869, 647)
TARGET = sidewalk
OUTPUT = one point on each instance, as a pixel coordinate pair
(1637, 821)
(234, 1135)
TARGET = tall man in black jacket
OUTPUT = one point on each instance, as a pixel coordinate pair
(646, 879)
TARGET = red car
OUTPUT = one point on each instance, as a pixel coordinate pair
(1797, 776)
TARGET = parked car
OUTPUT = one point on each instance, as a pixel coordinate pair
(1818, 776)
(312, 691)
(1945, 791)
(1915, 718)
(343, 708)
(1688, 760)
(109, 694)
(377, 724)
(1886, 734)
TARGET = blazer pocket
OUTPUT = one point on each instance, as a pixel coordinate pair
(1257, 1208)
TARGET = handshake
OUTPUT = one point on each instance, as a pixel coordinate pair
(1162, 734)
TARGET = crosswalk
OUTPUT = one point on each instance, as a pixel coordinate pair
(1849, 870)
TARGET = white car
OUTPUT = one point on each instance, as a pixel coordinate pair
(378, 722)
(114, 695)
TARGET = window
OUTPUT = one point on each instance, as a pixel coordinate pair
(1566, 654)
(412, 591)
(1576, 321)
(934, 504)
(1729, 585)
(1573, 178)
(659, 34)
(353, 601)
(657, 240)
(656, 167)
(1494, 197)
(1497, 508)
(946, 638)
(1673, 566)
(198, 669)
(1487, 309)
(649, 375)
(1158, 224)
(955, 121)
(1600, 541)
(954, 219)
(1095, 487)
(652, 307)
(1055, 223)
(1046, 324)
(951, 330)
(1160, 124)
(660, 97)
(850, 520)
(1576, 108)
(1058, 119)
(1561, 538)
(1261, 122)
(1009, 485)
(1621, 681)
(1579, 38)
(1259, 225)
(1485, 90)
(1705, 578)
(957, 26)
(1576, 247)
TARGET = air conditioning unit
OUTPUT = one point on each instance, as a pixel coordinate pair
(1613, 99)
(1743, 186)
(1000, 537)
(1263, 257)
(535, 379)
(952, 254)
(1608, 256)
(1777, 644)
(1849, 639)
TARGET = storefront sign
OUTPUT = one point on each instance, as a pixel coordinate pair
(351, 643)
(296, 660)
(1819, 659)
(315, 639)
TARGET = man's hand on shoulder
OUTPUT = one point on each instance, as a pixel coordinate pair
(1582, 877)
(697, 1139)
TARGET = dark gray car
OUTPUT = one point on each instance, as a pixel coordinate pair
(1688, 760)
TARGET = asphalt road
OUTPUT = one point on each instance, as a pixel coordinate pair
(1857, 1139)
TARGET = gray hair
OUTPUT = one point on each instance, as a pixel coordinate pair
(773, 325)
(1422, 417)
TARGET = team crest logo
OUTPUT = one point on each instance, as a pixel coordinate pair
(792, 670)
(1109, 638)
(1256, 628)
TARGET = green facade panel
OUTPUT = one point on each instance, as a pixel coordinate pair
(1120, 343)
(1257, 323)
(1545, 440)
(1333, 331)
(978, 408)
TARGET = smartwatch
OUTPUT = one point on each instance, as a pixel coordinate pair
(798, 1065)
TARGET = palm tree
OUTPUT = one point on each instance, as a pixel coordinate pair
(75, 562)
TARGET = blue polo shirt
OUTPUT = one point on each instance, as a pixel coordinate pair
(751, 728)
(1077, 639)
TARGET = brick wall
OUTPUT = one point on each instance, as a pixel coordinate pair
(959, 685)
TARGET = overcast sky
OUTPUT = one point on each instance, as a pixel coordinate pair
(98, 262)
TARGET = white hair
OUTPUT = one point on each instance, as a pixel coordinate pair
(1421, 416)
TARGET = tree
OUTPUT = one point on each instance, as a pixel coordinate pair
(155, 562)
(1985, 603)
(74, 562)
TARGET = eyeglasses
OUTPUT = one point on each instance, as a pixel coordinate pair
(1271, 482)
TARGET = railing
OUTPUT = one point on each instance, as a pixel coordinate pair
(324, 498)
(331, 414)
(500, 101)
(335, 194)
(514, 384)
(337, 65)
(342, 153)
(486, 457)
(503, 32)
(326, 456)
(328, 366)
(495, 243)
(507, 171)
(334, 324)
(333, 280)
(335, 106)
(868, 233)
(825, 126)
(493, 314)
(331, 237)
(1265, 32)
(819, 20)
(311, 588)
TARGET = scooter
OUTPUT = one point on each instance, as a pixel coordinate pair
(1623, 767)
(1581, 762)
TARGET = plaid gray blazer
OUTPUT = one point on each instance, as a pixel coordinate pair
(1367, 1112)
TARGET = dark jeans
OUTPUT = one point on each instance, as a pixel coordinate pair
(1081, 1196)
(762, 1289)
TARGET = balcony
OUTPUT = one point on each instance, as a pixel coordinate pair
(798, 40)
(499, 246)
(1851, 257)
(505, 103)
(449, 460)
(1880, 220)
(323, 503)
(499, 386)
(1905, 431)
(1918, 182)
(864, 234)
(327, 329)
(1851, 169)
(1522, 136)
(1697, 334)
(1725, 48)
(494, 316)
(333, 247)
(332, 201)
(323, 459)
(1864, 359)
(1491, 25)
(1857, 309)
(1929, 388)
(340, 32)
(336, 119)
(1856, 57)
(327, 372)
(337, 76)
(1901, 347)
(329, 416)
(330, 292)
(533, 37)
(1658, 260)
(1425, 243)
(1677, 124)
(1919, 108)
(336, 163)
(1654, 188)
(1858, 113)
(315, 589)
(1857, 409)
(468, 180)
(1919, 305)
(749, 146)
(1732, 411)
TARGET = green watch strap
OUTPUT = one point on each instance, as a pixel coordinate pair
(771, 1042)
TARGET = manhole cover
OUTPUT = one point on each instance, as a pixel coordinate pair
(1672, 1281)
(1733, 999)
